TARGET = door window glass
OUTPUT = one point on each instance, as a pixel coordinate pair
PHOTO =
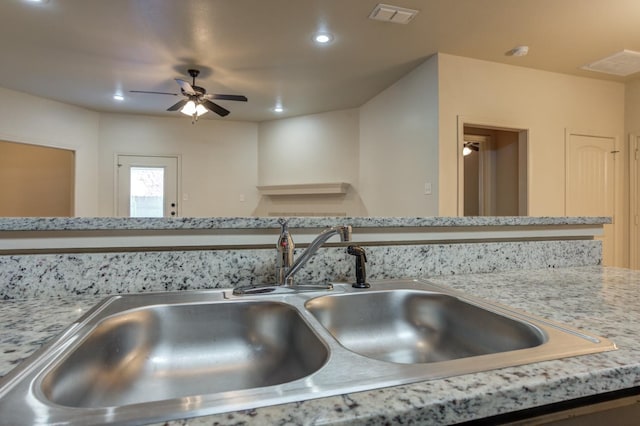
(147, 192)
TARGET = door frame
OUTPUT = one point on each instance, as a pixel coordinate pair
(634, 219)
(524, 138)
(178, 157)
(485, 172)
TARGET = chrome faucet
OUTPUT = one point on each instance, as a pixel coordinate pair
(286, 269)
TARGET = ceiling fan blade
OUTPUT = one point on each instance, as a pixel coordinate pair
(177, 106)
(228, 97)
(152, 93)
(215, 108)
(186, 87)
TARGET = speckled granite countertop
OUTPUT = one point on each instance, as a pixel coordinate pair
(186, 223)
(605, 301)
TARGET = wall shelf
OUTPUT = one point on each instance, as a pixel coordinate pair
(335, 188)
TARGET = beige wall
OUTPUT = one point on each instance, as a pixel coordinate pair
(29, 119)
(399, 146)
(632, 107)
(218, 158)
(316, 148)
(545, 103)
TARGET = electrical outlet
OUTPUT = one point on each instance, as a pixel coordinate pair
(427, 188)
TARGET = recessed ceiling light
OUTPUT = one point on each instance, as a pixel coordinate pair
(278, 108)
(38, 1)
(323, 38)
(118, 97)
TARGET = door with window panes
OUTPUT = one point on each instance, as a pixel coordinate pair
(147, 186)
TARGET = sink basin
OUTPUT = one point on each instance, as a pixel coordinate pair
(172, 351)
(155, 357)
(409, 326)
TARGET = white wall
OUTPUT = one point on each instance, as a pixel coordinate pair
(316, 148)
(29, 119)
(309, 149)
(399, 146)
(219, 159)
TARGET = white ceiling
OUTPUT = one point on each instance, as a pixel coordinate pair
(83, 51)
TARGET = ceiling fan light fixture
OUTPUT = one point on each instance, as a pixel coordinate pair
(190, 108)
(200, 110)
(469, 148)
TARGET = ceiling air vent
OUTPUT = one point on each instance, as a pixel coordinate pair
(395, 14)
(622, 63)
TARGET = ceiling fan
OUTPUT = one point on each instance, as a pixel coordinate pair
(197, 101)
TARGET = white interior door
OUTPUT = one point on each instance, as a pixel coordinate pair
(590, 185)
(147, 186)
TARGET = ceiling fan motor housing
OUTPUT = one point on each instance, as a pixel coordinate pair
(199, 90)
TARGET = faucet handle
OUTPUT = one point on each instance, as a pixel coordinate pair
(285, 242)
(346, 232)
(285, 248)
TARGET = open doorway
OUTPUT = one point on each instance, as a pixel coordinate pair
(492, 171)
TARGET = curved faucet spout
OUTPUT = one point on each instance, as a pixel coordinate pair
(345, 235)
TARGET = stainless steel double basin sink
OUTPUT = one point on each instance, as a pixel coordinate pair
(158, 356)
